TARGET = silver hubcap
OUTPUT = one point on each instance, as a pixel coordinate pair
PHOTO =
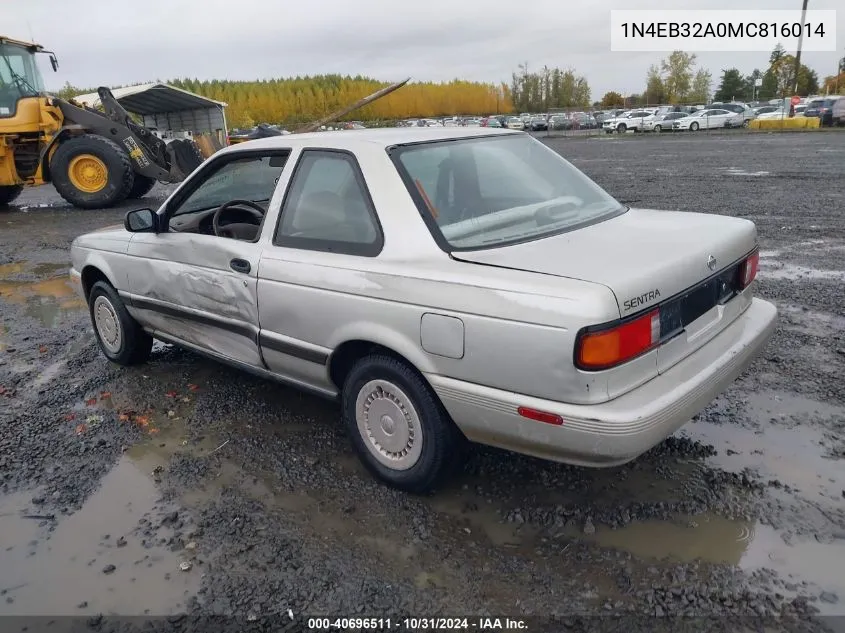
(107, 324)
(389, 424)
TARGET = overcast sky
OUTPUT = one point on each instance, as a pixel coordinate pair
(122, 42)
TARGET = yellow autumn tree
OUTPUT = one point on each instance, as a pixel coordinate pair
(300, 99)
(293, 100)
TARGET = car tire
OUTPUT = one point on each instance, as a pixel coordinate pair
(92, 172)
(658, 128)
(120, 337)
(8, 194)
(693, 126)
(621, 128)
(415, 444)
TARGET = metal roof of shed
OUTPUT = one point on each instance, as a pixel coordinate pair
(155, 98)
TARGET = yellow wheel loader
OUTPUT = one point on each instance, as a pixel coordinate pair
(93, 158)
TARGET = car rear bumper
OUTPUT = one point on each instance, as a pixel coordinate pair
(617, 431)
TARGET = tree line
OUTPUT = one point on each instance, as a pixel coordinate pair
(290, 101)
(677, 81)
(777, 81)
(548, 88)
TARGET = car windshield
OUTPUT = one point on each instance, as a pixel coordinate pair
(482, 193)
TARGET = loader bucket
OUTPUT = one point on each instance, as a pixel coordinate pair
(184, 156)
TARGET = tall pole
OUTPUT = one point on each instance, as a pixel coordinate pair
(800, 43)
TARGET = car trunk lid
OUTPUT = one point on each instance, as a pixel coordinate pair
(646, 258)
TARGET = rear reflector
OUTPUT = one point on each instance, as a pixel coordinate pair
(605, 348)
(540, 416)
(748, 270)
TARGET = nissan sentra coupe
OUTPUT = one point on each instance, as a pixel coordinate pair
(443, 285)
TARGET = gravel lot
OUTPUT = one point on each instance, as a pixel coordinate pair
(185, 487)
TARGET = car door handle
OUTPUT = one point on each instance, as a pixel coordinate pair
(240, 265)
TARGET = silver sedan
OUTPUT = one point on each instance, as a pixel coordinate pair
(442, 285)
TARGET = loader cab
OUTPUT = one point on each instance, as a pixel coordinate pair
(19, 74)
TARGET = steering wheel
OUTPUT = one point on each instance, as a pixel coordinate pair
(238, 230)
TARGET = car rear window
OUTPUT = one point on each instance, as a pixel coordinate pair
(492, 191)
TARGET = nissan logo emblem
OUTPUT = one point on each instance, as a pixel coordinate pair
(711, 263)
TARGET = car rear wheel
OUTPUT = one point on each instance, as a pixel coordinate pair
(119, 336)
(658, 129)
(399, 428)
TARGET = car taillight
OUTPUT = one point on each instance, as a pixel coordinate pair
(602, 349)
(748, 270)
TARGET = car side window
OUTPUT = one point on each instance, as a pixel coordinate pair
(328, 207)
(250, 177)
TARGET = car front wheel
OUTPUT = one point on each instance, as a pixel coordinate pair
(658, 129)
(119, 336)
(399, 428)
(693, 127)
(621, 128)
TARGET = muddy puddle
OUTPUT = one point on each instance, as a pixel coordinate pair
(770, 268)
(749, 546)
(49, 300)
(787, 433)
(92, 561)
(805, 564)
(812, 322)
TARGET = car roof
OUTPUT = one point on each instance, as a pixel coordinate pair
(384, 137)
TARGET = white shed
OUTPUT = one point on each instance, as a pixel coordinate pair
(168, 108)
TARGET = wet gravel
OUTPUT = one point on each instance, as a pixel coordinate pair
(254, 503)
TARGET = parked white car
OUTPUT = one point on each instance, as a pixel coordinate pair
(709, 119)
(780, 113)
(662, 122)
(440, 284)
(631, 120)
(739, 108)
(515, 123)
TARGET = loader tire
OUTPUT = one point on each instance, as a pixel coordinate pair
(92, 172)
(142, 186)
(9, 193)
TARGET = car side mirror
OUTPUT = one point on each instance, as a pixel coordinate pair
(54, 62)
(141, 221)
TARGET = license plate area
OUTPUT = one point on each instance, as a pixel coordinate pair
(677, 314)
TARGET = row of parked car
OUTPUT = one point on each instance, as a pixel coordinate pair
(830, 109)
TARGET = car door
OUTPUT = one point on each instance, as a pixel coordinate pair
(719, 118)
(327, 227)
(198, 288)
